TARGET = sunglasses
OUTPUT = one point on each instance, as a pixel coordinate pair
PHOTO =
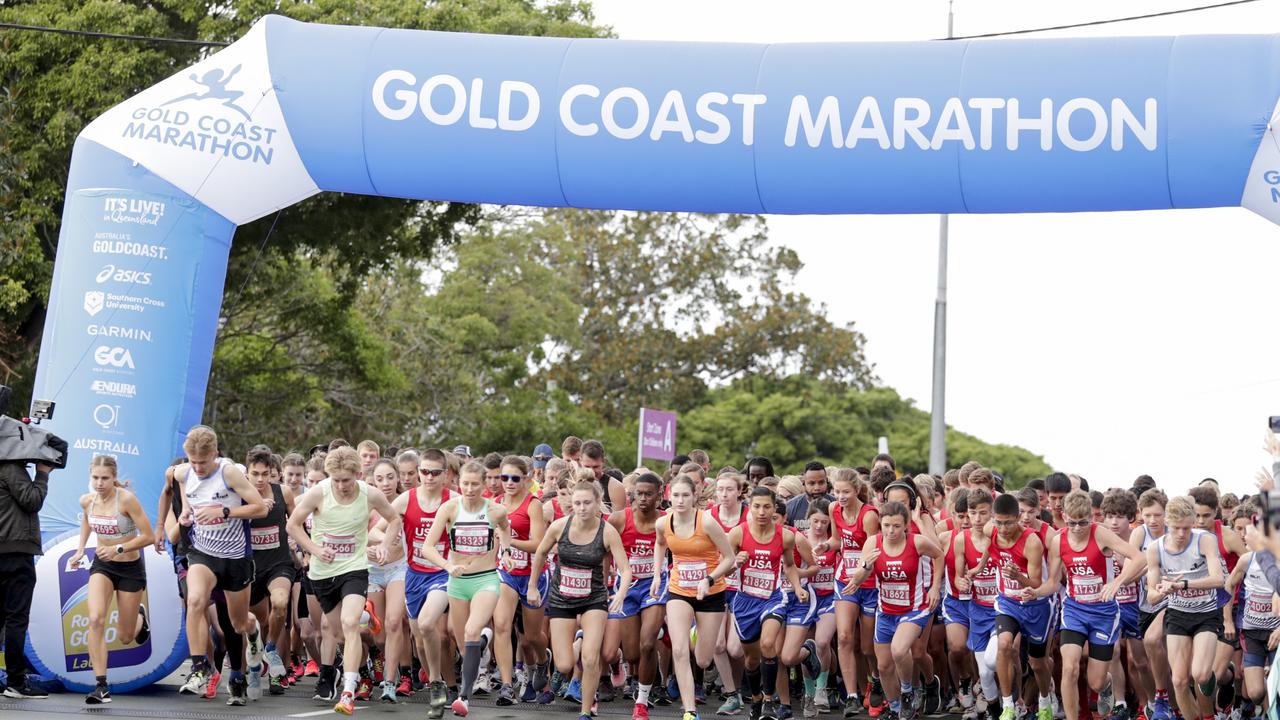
(1079, 523)
(511, 478)
(437, 472)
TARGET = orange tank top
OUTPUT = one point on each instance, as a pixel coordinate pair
(692, 559)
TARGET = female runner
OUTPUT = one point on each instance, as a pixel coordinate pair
(579, 590)
(527, 529)
(473, 524)
(386, 586)
(116, 517)
(854, 520)
(730, 511)
(701, 558)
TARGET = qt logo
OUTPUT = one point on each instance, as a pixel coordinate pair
(113, 356)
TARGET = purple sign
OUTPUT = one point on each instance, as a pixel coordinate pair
(657, 435)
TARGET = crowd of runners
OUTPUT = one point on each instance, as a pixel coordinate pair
(840, 591)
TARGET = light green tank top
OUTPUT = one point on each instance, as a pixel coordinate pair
(345, 528)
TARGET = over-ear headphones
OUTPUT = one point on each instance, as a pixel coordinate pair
(910, 491)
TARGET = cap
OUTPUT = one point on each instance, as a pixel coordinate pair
(541, 455)
(463, 450)
(322, 447)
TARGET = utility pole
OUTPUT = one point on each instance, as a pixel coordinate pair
(937, 409)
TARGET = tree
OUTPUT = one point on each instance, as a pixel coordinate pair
(51, 86)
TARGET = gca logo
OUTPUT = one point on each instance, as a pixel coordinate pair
(113, 356)
(136, 277)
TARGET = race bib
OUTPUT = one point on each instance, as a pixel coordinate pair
(219, 520)
(471, 539)
(266, 538)
(442, 547)
(519, 558)
(343, 546)
(1127, 593)
(689, 574)
(825, 579)
(575, 582)
(1086, 588)
(1257, 614)
(758, 582)
(895, 593)
(985, 590)
(641, 566)
(852, 558)
(107, 525)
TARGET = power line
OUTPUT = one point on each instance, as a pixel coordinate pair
(1109, 21)
(113, 36)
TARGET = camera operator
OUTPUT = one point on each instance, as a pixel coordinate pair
(21, 498)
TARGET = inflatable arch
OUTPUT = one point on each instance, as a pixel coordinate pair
(159, 183)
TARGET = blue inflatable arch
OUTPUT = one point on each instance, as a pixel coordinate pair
(159, 183)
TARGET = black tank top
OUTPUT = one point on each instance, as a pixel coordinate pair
(579, 577)
(268, 535)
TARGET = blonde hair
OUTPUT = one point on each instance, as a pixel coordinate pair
(473, 467)
(1077, 504)
(368, 445)
(792, 484)
(201, 439)
(1180, 508)
(591, 487)
(106, 461)
(342, 459)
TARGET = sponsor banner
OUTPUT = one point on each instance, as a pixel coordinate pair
(657, 435)
(60, 609)
(119, 325)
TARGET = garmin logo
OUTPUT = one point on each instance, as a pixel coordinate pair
(115, 331)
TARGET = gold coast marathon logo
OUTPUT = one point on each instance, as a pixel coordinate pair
(209, 119)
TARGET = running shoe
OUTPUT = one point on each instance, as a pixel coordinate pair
(211, 690)
(460, 707)
(346, 704)
(388, 692)
(732, 705)
(143, 634)
(889, 713)
(311, 670)
(876, 711)
(375, 623)
(854, 704)
(296, 668)
(810, 707)
(195, 684)
(673, 688)
(1055, 705)
(275, 666)
(254, 676)
(699, 695)
(783, 712)
(481, 685)
(546, 697)
(325, 690)
(506, 695)
(529, 694)
(812, 666)
(640, 711)
(1160, 709)
(1121, 712)
(932, 697)
(768, 711)
(541, 672)
(689, 715)
(438, 694)
(377, 669)
(1009, 713)
(275, 685)
(1044, 714)
(364, 688)
(405, 688)
(573, 691)
(239, 692)
(1106, 701)
(875, 694)
(101, 694)
(757, 709)
(658, 697)
(823, 702)
(908, 711)
(255, 645)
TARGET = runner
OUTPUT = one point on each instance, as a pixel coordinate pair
(123, 532)
(1230, 548)
(956, 603)
(340, 508)
(729, 511)
(425, 585)
(1183, 565)
(894, 558)
(1119, 509)
(701, 557)
(822, 585)
(579, 591)
(854, 520)
(1260, 625)
(274, 572)
(528, 524)
(219, 502)
(472, 523)
(636, 625)
(1018, 554)
(386, 592)
(972, 546)
(1082, 553)
(1151, 613)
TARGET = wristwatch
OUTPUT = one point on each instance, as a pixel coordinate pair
(866, 567)
(1185, 584)
(120, 549)
(226, 512)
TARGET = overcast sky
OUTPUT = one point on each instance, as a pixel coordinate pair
(1114, 344)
